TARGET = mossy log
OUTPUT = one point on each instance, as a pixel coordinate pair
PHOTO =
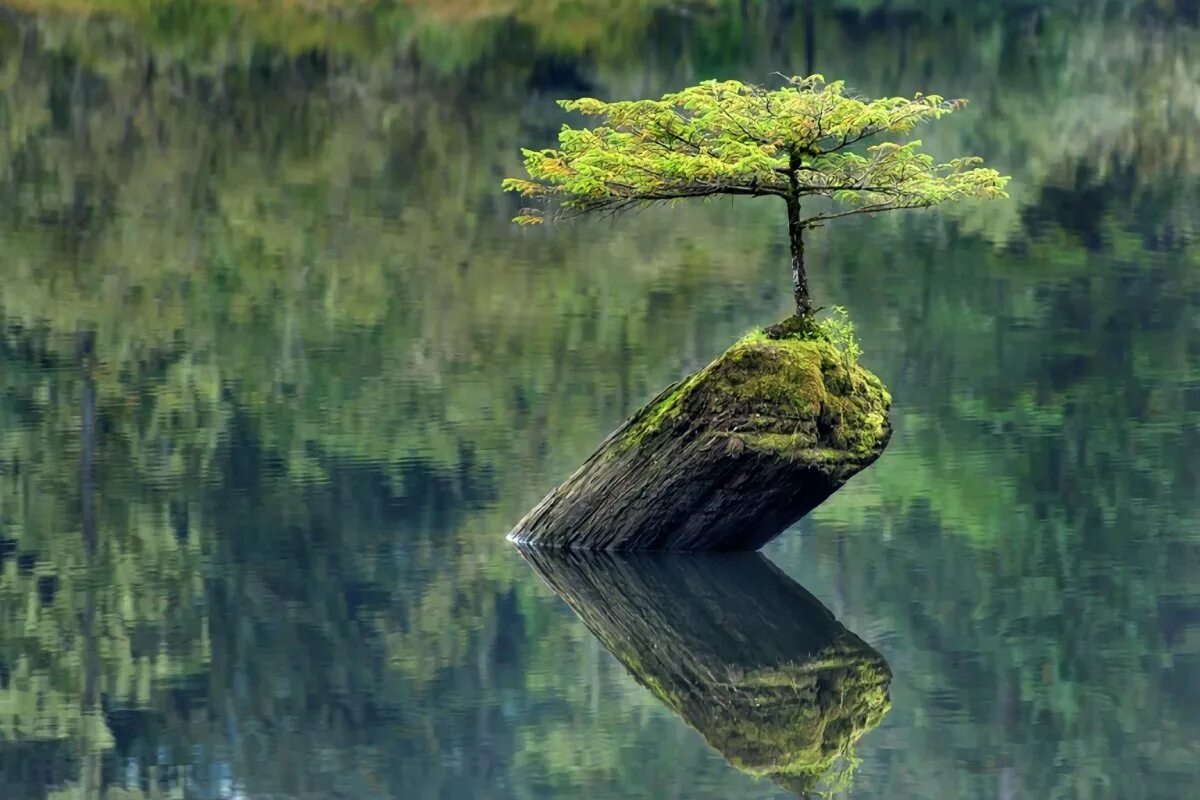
(725, 459)
(741, 652)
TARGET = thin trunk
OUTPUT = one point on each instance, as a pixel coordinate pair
(799, 276)
(85, 346)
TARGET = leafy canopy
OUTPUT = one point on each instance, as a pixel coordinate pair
(732, 138)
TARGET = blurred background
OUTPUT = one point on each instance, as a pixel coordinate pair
(277, 375)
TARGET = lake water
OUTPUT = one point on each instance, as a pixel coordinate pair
(277, 376)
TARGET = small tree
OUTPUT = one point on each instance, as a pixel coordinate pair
(805, 140)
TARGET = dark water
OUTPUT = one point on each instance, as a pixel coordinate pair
(276, 377)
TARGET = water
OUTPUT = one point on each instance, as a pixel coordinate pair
(277, 376)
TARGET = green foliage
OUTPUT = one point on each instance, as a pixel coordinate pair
(796, 142)
(838, 330)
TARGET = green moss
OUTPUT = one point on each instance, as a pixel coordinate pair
(787, 445)
(778, 393)
(660, 412)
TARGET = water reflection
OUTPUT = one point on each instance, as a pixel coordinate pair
(328, 376)
(737, 649)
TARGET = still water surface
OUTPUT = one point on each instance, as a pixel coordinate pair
(277, 375)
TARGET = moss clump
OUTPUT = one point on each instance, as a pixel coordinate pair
(777, 391)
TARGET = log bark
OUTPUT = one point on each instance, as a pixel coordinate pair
(742, 653)
(725, 459)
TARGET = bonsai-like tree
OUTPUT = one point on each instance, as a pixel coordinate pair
(807, 140)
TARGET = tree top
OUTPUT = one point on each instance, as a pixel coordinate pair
(807, 138)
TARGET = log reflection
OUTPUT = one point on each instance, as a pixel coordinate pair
(741, 652)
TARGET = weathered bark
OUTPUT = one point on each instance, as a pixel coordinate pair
(726, 459)
(742, 653)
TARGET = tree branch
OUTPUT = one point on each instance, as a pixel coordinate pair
(868, 131)
(615, 204)
(852, 187)
(871, 209)
(741, 127)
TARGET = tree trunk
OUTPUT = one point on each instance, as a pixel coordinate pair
(85, 349)
(804, 308)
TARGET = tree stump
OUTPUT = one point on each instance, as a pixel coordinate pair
(726, 459)
(741, 652)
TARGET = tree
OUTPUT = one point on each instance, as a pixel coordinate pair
(804, 141)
